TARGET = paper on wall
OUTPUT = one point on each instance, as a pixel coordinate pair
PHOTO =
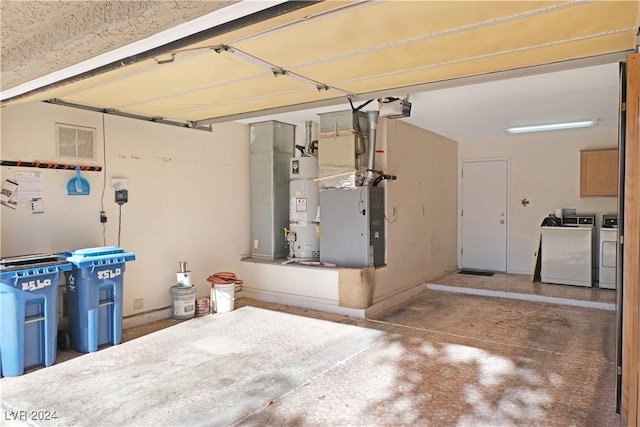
(8, 194)
(30, 185)
(36, 205)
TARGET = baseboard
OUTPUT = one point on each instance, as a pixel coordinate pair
(146, 317)
(327, 307)
(301, 301)
(394, 300)
(522, 272)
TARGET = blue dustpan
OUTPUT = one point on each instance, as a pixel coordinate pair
(78, 186)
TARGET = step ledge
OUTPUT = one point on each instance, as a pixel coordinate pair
(524, 297)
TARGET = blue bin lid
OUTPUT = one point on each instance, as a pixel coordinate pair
(90, 256)
(29, 259)
(97, 251)
(10, 272)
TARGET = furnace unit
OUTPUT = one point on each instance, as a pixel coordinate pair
(352, 227)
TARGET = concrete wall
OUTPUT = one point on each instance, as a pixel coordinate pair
(421, 206)
(188, 197)
(545, 170)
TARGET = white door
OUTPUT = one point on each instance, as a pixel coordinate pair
(484, 215)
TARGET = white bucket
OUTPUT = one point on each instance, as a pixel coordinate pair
(184, 302)
(223, 297)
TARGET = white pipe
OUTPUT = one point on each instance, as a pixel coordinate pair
(372, 117)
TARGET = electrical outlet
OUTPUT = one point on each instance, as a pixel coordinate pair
(137, 304)
(256, 244)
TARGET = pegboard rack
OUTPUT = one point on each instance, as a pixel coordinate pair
(49, 165)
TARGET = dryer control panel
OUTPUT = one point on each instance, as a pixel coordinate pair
(579, 221)
(610, 221)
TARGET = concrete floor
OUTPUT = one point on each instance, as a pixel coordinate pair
(441, 359)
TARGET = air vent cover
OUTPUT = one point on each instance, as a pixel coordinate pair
(75, 142)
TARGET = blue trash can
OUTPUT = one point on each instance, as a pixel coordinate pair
(29, 289)
(94, 296)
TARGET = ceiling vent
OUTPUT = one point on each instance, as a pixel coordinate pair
(75, 142)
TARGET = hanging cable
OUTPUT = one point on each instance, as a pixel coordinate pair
(382, 176)
(356, 125)
(391, 221)
(104, 181)
(119, 222)
(362, 207)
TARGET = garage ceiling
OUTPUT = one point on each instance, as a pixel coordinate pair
(328, 51)
(481, 111)
(63, 33)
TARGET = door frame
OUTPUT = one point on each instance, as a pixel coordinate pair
(507, 213)
(630, 397)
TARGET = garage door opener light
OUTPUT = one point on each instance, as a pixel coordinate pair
(552, 126)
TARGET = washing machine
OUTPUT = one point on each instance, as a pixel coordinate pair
(567, 251)
(608, 252)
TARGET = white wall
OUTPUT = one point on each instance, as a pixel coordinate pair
(188, 197)
(421, 237)
(545, 170)
(68, 222)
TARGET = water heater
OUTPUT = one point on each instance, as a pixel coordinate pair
(304, 230)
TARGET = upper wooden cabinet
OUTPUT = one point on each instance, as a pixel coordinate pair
(599, 172)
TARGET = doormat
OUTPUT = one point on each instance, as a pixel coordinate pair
(476, 272)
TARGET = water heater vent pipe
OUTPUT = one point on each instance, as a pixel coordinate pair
(372, 118)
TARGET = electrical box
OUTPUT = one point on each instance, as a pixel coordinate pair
(395, 109)
(122, 196)
(352, 227)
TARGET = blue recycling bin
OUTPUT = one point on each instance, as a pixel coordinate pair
(94, 296)
(29, 289)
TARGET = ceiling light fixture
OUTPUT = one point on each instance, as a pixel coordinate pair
(552, 126)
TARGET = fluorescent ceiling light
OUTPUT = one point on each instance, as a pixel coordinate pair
(552, 126)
